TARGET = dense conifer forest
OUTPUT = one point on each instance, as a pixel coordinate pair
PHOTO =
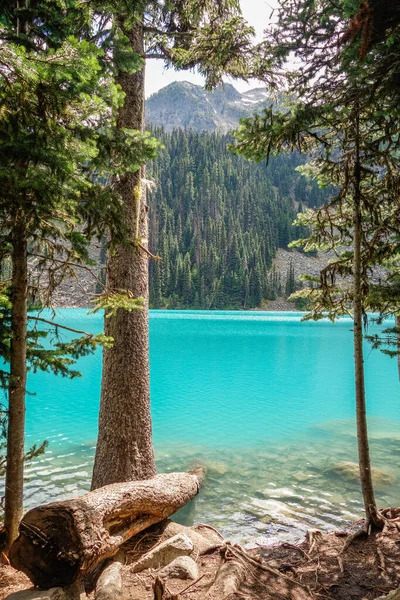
(217, 221)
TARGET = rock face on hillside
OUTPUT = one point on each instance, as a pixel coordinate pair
(79, 291)
(186, 105)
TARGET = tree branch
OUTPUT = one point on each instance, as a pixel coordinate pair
(67, 263)
(86, 333)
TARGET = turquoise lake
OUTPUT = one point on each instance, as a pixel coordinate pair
(264, 400)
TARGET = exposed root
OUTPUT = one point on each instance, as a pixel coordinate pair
(229, 579)
(212, 549)
(204, 525)
(312, 537)
(237, 554)
(161, 592)
(192, 584)
(364, 530)
(382, 564)
(340, 563)
(295, 547)
(159, 589)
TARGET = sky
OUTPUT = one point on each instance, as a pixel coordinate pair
(256, 12)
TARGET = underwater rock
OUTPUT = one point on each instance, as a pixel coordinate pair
(300, 476)
(279, 493)
(351, 472)
(217, 468)
(278, 511)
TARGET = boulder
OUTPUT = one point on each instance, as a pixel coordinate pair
(165, 553)
(109, 584)
(182, 567)
(202, 542)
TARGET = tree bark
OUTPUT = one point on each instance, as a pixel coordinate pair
(358, 304)
(16, 392)
(124, 448)
(60, 542)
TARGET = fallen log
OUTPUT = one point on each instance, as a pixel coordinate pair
(60, 542)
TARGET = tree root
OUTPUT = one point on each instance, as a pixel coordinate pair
(200, 525)
(238, 563)
(161, 592)
(364, 530)
(312, 537)
(389, 518)
(297, 548)
(340, 563)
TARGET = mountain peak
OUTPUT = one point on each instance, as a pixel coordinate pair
(184, 104)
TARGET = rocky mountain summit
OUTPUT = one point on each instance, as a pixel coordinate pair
(186, 105)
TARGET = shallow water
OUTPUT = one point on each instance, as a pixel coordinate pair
(265, 401)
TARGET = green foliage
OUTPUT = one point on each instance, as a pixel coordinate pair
(210, 36)
(351, 133)
(216, 222)
(61, 153)
(57, 127)
(47, 349)
(111, 301)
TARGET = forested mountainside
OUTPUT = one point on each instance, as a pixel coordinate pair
(217, 221)
(184, 104)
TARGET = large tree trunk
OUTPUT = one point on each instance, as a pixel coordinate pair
(16, 393)
(62, 541)
(361, 413)
(124, 448)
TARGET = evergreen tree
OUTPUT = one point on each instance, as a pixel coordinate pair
(234, 224)
(56, 128)
(354, 138)
(290, 285)
(212, 36)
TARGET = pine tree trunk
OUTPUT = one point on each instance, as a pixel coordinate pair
(17, 386)
(361, 413)
(124, 448)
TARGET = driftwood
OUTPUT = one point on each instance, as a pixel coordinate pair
(60, 542)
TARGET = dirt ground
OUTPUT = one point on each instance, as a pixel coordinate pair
(319, 568)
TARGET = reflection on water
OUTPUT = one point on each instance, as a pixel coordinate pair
(264, 494)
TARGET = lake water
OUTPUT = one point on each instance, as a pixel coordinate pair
(265, 401)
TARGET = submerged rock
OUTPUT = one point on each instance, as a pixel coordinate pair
(217, 468)
(351, 472)
(278, 511)
(279, 493)
(300, 476)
